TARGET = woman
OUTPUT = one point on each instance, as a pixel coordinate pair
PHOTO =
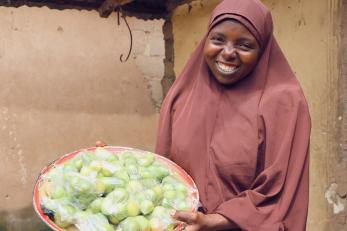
(237, 121)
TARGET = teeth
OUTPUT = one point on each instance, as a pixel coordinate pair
(225, 68)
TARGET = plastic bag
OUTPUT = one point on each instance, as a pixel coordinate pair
(160, 219)
(175, 194)
(83, 189)
(92, 222)
(138, 223)
(63, 209)
(115, 205)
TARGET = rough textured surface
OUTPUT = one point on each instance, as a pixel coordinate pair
(63, 87)
(306, 31)
(169, 74)
(337, 192)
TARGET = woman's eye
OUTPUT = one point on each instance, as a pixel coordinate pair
(217, 39)
(245, 46)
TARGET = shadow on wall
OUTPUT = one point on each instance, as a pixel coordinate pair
(19, 220)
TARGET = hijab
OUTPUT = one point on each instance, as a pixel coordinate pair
(247, 145)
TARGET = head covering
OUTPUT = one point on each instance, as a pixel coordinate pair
(246, 146)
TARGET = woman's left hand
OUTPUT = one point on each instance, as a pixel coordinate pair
(191, 220)
(194, 221)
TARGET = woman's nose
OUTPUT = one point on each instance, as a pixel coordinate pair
(229, 52)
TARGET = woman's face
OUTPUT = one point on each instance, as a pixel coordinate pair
(231, 52)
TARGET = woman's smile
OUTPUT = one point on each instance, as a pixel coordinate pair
(226, 69)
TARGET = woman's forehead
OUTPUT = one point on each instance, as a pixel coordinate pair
(232, 26)
(252, 13)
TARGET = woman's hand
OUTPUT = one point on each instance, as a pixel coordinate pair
(100, 144)
(194, 221)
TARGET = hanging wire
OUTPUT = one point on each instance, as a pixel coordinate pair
(130, 33)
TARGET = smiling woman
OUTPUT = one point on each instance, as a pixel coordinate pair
(231, 51)
(237, 121)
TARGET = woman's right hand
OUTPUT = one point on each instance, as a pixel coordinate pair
(100, 143)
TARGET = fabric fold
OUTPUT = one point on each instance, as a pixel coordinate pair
(247, 145)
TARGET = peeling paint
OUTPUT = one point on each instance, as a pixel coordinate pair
(334, 199)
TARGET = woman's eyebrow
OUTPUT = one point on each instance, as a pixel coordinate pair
(247, 39)
(216, 33)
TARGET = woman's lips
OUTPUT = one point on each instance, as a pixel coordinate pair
(226, 69)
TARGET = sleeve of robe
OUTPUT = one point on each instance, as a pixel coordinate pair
(278, 197)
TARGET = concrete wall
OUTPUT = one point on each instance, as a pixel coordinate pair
(63, 87)
(307, 32)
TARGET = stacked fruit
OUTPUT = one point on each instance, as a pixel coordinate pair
(102, 191)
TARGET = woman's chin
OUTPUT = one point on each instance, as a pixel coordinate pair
(227, 81)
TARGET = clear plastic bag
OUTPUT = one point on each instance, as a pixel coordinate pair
(114, 205)
(175, 194)
(86, 221)
(160, 219)
(138, 223)
(63, 210)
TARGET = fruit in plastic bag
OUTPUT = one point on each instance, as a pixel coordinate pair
(120, 215)
(111, 183)
(134, 186)
(103, 154)
(133, 208)
(133, 171)
(129, 224)
(122, 174)
(158, 171)
(160, 219)
(95, 206)
(138, 223)
(146, 207)
(114, 202)
(63, 216)
(143, 223)
(146, 160)
(92, 222)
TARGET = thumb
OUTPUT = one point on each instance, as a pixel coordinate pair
(186, 217)
(100, 143)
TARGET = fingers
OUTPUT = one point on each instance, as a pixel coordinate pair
(181, 227)
(186, 217)
(186, 227)
(100, 144)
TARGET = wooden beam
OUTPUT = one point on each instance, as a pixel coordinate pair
(110, 5)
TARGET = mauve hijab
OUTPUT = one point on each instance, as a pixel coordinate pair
(246, 146)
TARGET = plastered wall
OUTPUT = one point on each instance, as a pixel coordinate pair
(307, 32)
(63, 87)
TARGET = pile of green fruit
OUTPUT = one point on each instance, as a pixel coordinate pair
(103, 191)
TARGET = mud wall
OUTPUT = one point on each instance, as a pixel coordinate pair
(63, 87)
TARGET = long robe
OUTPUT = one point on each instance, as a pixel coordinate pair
(246, 146)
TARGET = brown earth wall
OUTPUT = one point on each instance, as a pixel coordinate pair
(63, 87)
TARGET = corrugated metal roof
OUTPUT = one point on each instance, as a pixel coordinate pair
(157, 7)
